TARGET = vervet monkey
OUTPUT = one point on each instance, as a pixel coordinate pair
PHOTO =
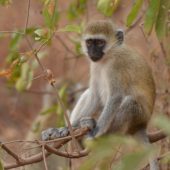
(121, 87)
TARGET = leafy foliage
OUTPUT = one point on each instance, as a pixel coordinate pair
(134, 12)
(162, 122)
(50, 13)
(76, 9)
(25, 80)
(42, 35)
(105, 150)
(14, 47)
(56, 109)
(1, 166)
(161, 23)
(151, 15)
(107, 7)
(72, 28)
(5, 2)
(155, 18)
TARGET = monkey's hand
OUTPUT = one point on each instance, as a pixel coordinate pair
(89, 123)
(53, 133)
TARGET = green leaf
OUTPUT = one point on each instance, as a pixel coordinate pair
(14, 44)
(42, 34)
(30, 30)
(1, 165)
(13, 47)
(36, 127)
(134, 12)
(63, 96)
(162, 122)
(72, 28)
(16, 73)
(151, 15)
(161, 24)
(49, 110)
(133, 161)
(103, 149)
(51, 13)
(5, 2)
(107, 7)
(25, 81)
(78, 48)
(76, 8)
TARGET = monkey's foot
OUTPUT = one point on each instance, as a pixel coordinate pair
(53, 133)
(88, 122)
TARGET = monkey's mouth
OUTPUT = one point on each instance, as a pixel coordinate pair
(94, 58)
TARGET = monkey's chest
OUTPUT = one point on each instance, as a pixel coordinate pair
(103, 92)
(103, 89)
(107, 87)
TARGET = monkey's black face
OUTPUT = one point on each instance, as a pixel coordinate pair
(95, 48)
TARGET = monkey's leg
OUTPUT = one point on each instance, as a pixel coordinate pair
(105, 120)
(129, 113)
(142, 137)
(118, 113)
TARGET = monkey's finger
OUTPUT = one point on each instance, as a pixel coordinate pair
(88, 122)
(45, 135)
(50, 133)
(64, 131)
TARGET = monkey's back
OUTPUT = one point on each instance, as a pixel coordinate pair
(135, 77)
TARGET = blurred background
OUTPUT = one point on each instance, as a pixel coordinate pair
(51, 30)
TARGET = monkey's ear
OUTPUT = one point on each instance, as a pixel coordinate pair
(120, 35)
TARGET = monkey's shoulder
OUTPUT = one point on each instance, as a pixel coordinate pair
(128, 58)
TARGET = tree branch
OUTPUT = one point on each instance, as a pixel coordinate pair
(156, 136)
(48, 150)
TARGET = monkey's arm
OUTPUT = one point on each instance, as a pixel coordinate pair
(107, 115)
(85, 107)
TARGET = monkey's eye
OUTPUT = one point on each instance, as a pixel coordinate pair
(101, 43)
(89, 42)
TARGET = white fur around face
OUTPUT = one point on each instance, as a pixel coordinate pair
(96, 36)
(84, 47)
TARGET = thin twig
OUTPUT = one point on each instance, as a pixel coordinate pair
(39, 76)
(82, 153)
(66, 113)
(40, 92)
(35, 55)
(56, 145)
(27, 18)
(141, 28)
(44, 157)
(160, 158)
(162, 49)
(134, 25)
(11, 32)
(65, 46)
(10, 152)
(18, 141)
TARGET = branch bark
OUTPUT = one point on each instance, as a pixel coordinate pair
(156, 136)
(52, 146)
(57, 143)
